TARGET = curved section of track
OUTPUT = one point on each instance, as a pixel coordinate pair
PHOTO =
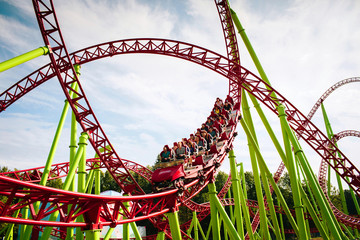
(64, 70)
(328, 92)
(218, 63)
(348, 220)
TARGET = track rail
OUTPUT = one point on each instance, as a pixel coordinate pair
(262, 91)
(64, 70)
(328, 92)
(351, 221)
(59, 170)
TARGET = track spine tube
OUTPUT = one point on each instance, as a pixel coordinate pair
(13, 62)
(293, 177)
(235, 184)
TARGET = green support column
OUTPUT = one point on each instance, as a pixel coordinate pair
(73, 147)
(330, 135)
(235, 184)
(227, 222)
(92, 234)
(160, 236)
(196, 231)
(293, 177)
(81, 189)
(174, 225)
(50, 158)
(213, 212)
(10, 227)
(135, 231)
(23, 58)
(254, 165)
(270, 177)
(126, 229)
(82, 145)
(249, 47)
(243, 197)
(314, 184)
(97, 173)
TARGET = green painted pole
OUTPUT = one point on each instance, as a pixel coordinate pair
(215, 224)
(160, 236)
(227, 222)
(126, 227)
(89, 182)
(235, 184)
(25, 229)
(260, 198)
(73, 147)
(10, 227)
(249, 47)
(330, 135)
(23, 58)
(174, 225)
(191, 226)
(270, 178)
(69, 179)
(50, 158)
(98, 174)
(111, 230)
(243, 197)
(81, 189)
(92, 234)
(266, 188)
(200, 229)
(208, 232)
(313, 215)
(299, 211)
(281, 224)
(135, 231)
(319, 195)
(231, 209)
(196, 231)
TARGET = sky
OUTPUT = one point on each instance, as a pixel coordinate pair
(144, 101)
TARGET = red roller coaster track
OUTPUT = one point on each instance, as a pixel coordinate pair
(96, 208)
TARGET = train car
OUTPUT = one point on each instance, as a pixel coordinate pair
(178, 172)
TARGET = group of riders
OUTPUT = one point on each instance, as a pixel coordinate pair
(204, 138)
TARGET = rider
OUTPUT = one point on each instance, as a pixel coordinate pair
(181, 151)
(166, 154)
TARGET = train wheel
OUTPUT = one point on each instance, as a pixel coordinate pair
(179, 184)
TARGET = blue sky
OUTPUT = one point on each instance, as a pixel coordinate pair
(144, 102)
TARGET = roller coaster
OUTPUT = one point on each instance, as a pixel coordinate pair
(44, 211)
